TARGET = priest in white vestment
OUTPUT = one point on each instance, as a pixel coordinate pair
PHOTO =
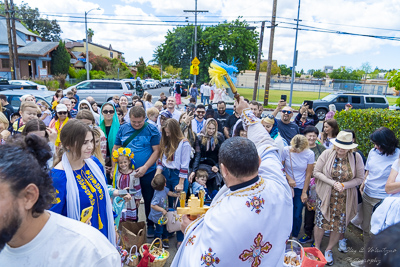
(250, 219)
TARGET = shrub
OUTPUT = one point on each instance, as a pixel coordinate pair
(72, 73)
(365, 121)
(53, 85)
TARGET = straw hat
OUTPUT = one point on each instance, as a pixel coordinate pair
(344, 140)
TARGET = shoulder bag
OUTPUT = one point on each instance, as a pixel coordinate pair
(174, 219)
(136, 133)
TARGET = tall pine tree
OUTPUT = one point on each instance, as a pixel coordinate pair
(60, 60)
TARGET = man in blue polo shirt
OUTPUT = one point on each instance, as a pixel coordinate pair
(146, 147)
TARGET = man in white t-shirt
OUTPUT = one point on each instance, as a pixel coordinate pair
(31, 235)
(171, 102)
(202, 92)
(206, 94)
(199, 122)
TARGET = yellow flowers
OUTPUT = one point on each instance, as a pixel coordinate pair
(122, 152)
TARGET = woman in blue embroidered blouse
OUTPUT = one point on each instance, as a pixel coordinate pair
(79, 179)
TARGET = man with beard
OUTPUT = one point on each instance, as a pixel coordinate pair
(198, 122)
(287, 128)
(221, 116)
(171, 102)
(230, 123)
(31, 235)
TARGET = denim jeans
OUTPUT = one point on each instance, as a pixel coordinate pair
(206, 99)
(172, 176)
(297, 212)
(201, 98)
(147, 193)
(161, 231)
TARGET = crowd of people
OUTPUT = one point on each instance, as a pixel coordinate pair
(253, 169)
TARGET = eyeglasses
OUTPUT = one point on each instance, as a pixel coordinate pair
(85, 107)
(200, 112)
(117, 99)
(286, 111)
(73, 102)
(108, 111)
(62, 113)
(270, 116)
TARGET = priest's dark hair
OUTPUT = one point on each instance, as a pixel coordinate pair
(239, 155)
(23, 161)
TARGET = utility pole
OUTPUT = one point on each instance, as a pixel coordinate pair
(10, 49)
(195, 11)
(294, 57)
(14, 33)
(87, 65)
(258, 61)
(271, 48)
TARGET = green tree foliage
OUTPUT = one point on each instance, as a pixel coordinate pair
(60, 60)
(153, 72)
(49, 30)
(285, 70)
(311, 71)
(173, 71)
(346, 74)
(366, 67)
(225, 42)
(252, 65)
(274, 67)
(319, 74)
(141, 67)
(366, 121)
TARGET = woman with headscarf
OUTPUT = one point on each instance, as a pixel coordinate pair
(84, 104)
(109, 124)
(79, 180)
(206, 154)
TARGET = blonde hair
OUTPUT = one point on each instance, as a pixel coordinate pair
(299, 143)
(97, 150)
(43, 103)
(4, 120)
(158, 104)
(204, 138)
(152, 112)
(28, 104)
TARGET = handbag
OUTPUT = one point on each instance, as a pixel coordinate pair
(174, 219)
(132, 233)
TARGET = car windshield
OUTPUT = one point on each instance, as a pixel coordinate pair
(49, 98)
(329, 98)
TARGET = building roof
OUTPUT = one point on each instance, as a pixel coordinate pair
(73, 44)
(37, 48)
(20, 28)
(104, 47)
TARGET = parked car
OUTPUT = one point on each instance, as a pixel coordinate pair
(358, 101)
(137, 85)
(103, 90)
(13, 96)
(165, 82)
(28, 83)
(151, 83)
(394, 107)
(158, 83)
(5, 85)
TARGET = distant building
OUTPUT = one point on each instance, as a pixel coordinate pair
(328, 69)
(97, 49)
(33, 54)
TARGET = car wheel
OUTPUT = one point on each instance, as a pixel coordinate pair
(321, 113)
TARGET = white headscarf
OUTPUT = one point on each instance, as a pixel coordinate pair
(73, 200)
(95, 115)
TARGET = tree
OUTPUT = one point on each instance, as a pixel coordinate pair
(274, 67)
(141, 67)
(345, 74)
(393, 79)
(311, 71)
(285, 70)
(319, 74)
(225, 42)
(49, 30)
(60, 60)
(302, 72)
(366, 67)
(253, 65)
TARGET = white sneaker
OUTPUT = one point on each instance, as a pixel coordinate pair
(343, 245)
(360, 263)
(329, 257)
(327, 233)
(356, 224)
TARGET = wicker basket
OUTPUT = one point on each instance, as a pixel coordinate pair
(155, 251)
(133, 262)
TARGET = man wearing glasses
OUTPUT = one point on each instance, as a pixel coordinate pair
(115, 101)
(287, 128)
(199, 122)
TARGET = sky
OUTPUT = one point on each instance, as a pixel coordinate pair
(120, 19)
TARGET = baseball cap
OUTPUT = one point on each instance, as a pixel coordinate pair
(61, 107)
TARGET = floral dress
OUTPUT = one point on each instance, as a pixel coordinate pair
(341, 172)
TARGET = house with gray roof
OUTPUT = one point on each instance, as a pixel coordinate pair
(34, 55)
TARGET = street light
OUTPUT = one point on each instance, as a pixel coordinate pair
(87, 45)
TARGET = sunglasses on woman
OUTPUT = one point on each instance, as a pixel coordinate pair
(85, 107)
(286, 111)
(62, 113)
(108, 111)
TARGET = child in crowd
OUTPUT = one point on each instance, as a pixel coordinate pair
(46, 114)
(200, 183)
(152, 115)
(159, 206)
(15, 116)
(124, 178)
(28, 112)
